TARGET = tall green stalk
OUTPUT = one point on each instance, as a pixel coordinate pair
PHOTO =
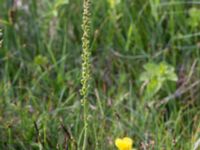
(85, 66)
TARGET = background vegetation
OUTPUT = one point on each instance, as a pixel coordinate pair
(157, 105)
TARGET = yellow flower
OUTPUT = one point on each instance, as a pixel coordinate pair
(124, 143)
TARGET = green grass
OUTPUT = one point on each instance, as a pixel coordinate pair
(40, 72)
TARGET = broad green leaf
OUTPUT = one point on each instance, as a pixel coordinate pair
(172, 77)
(155, 75)
(194, 19)
(152, 88)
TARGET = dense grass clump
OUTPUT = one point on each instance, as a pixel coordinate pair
(144, 59)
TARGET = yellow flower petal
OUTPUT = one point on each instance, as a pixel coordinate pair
(124, 144)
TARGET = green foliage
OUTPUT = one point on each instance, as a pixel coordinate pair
(113, 3)
(155, 76)
(194, 19)
(60, 3)
(40, 70)
(40, 60)
(154, 8)
(57, 5)
(54, 8)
